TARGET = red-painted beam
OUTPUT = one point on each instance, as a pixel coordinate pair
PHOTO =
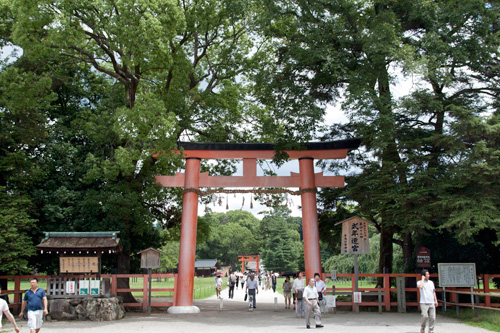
(248, 181)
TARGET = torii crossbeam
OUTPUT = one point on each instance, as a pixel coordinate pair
(192, 180)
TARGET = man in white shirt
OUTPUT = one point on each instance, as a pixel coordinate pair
(4, 310)
(321, 288)
(298, 288)
(252, 287)
(428, 301)
(311, 300)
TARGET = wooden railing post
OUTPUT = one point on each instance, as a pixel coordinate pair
(17, 295)
(486, 286)
(114, 285)
(418, 291)
(387, 289)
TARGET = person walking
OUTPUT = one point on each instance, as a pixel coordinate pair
(237, 281)
(36, 300)
(287, 290)
(4, 310)
(428, 301)
(293, 292)
(218, 285)
(321, 288)
(252, 288)
(243, 279)
(298, 287)
(311, 300)
(274, 281)
(231, 280)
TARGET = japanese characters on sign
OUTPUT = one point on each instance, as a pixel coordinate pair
(84, 287)
(457, 275)
(424, 257)
(355, 237)
(70, 287)
(78, 264)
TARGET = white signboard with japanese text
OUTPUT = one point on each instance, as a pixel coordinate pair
(94, 287)
(330, 301)
(70, 287)
(457, 275)
(84, 287)
(356, 296)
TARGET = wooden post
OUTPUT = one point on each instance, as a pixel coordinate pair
(114, 285)
(149, 290)
(356, 277)
(17, 295)
(145, 283)
(444, 299)
(387, 289)
(379, 299)
(353, 286)
(486, 286)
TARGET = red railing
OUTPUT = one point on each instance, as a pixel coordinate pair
(387, 289)
(17, 291)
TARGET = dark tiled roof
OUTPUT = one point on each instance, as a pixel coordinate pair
(205, 263)
(84, 241)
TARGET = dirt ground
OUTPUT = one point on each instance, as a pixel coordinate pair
(235, 317)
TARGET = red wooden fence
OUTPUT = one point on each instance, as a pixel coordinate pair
(387, 288)
(17, 292)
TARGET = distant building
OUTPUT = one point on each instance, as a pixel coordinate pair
(206, 267)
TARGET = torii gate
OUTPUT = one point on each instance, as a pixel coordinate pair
(248, 257)
(192, 180)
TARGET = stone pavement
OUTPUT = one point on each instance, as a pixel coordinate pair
(235, 317)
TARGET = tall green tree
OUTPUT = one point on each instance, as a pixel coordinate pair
(360, 49)
(282, 248)
(230, 234)
(180, 67)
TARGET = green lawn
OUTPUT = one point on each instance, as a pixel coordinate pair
(487, 319)
(203, 287)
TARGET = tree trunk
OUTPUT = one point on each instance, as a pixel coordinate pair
(131, 91)
(408, 251)
(123, 267)
(386, 252)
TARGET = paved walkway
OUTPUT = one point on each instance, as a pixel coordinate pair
(235, 317)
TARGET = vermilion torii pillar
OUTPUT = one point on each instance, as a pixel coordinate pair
(192, 180)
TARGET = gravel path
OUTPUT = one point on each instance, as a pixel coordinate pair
(235, 317)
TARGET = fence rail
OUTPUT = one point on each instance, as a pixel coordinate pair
(17, 291)
(388, 290)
